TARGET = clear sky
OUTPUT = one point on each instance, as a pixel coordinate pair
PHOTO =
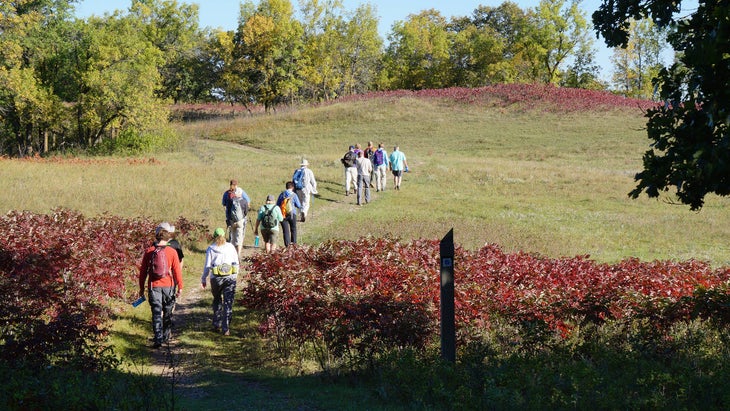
(224, 14)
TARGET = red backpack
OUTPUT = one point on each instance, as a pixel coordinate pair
(158, 267)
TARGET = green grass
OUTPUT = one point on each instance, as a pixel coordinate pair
(544, 183)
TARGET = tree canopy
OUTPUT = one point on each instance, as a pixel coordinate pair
(690, 149)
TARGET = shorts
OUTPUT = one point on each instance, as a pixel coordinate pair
(269, 236)
(397, 173)
(237, 232)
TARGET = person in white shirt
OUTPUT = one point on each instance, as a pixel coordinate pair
(221, 263)
(364, 169)
(305, 185)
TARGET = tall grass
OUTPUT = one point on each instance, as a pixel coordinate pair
(554, 184)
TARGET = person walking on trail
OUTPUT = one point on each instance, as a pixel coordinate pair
(221, 264)
(236, 202)
(398, 165)
(364, 169)
(161, 273)
(269, 216)
(288, 203)
(369, 153)
(349, 160)
(380, 167)
(305, 185)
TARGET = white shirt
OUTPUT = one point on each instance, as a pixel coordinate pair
(216, 255)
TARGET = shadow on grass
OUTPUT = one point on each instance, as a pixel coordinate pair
(202, 369)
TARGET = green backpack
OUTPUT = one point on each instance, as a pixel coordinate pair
(269, 221)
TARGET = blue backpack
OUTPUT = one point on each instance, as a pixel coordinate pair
(298, 179)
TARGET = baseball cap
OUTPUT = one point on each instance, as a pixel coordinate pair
(219, 232)
(270, 198)
(304, 162)
(166, 227)
(234, 182)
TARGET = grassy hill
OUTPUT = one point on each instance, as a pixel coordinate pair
(532, 169)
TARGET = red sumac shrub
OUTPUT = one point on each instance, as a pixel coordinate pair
(375, 293)
(59, 274)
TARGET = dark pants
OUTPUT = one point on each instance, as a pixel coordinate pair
(223, 289)
(162, 302)
(289, 228)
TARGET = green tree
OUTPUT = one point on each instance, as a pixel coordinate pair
(640, 61)
(28, 105)
(117, 76)
(556, 32)
(497, 30)
(172, 27)
(267, 49)
(690, 149)
(418, 56)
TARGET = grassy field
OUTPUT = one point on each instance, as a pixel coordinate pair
(553, 184)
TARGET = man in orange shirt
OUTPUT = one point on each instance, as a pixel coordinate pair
(162, 272)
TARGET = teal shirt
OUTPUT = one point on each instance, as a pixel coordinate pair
(397, 160)
(277, 214)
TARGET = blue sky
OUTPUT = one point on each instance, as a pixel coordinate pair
(224, 14)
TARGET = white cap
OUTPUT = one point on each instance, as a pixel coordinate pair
(166, 227)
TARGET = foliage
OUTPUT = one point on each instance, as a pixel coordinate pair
(356, 306)
(689, 132)
(60, 274)
(541, 97)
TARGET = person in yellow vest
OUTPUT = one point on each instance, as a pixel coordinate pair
(221, 264)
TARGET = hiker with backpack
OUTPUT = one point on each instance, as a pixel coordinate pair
(268, 218)
(380, 167)
(161, 273)
(236, 202)
(348, 160)
(304, 186)
(221, 263)
(288, 203)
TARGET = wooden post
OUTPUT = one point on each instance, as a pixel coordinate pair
(448, 324)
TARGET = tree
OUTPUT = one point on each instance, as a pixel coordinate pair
(555, 33)
(117, 76)
(690, 149)
(27, 103)
(267, 50)
(173, 28)
(640, 61)
(418, 54)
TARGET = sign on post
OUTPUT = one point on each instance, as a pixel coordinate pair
(448, 326)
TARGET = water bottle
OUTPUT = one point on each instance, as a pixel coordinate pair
(138, 301)
(256, 241)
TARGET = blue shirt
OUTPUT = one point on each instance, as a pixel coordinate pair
(294, 201)
(397, 160)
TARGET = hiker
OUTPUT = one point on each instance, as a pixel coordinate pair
(364, 169)
(348, 160)
(288, 203)
(178, 248)
(221, 263)
(162, 273)
(369, 153)
(236, 202)
(269, 216)
(398, 165)
(305, 185)
(380, 167)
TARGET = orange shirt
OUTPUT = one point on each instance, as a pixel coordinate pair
(167, 281)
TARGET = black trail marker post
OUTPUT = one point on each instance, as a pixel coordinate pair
(448, 326)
